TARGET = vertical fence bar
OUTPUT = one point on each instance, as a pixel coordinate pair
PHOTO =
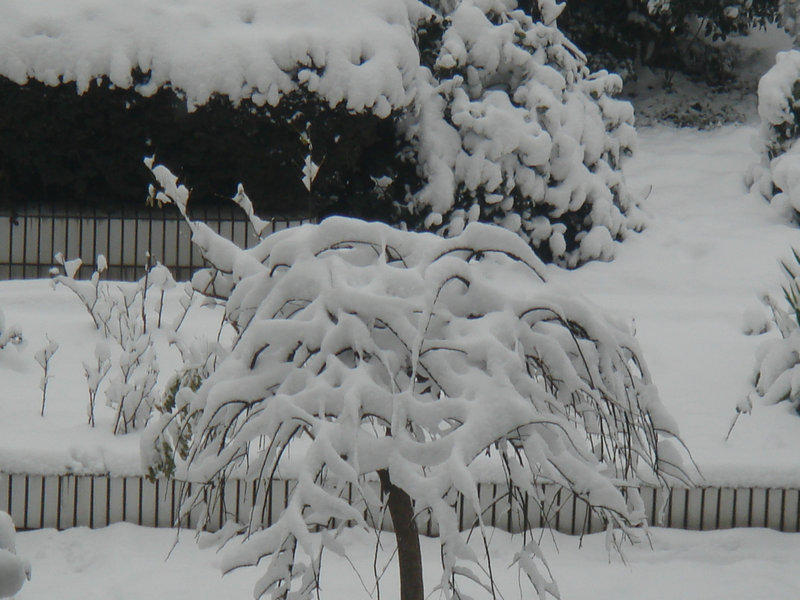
(16, 248)
(18, 500)
(773, 509)
(6, 227)
(694, 500)
(48, 513)
(34, 501)
(5, 492)
(758, 514)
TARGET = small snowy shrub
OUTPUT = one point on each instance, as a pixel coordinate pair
(518, 132)
(168, 437)
(43, 357)
(128, 315)
(366, 350)
(777, 176)
(777, 375)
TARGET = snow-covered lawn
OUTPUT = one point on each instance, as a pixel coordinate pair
(125, 562)
(710, 250)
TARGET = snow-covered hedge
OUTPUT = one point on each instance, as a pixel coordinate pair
(777, 176)
(497, 115)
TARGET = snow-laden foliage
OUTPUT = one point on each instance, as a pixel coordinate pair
(675, 35)
(127, 315)
(777, 176)
(362, 349)
(520, 133)
(496, 116)
(777, 375)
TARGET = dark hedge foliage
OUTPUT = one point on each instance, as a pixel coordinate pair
(618, 34)
(60, 147)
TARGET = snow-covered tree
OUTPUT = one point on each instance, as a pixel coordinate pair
(371, 353)
(515, 130)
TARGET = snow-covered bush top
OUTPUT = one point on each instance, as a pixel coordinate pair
(371, 349)
(344, 50)
(777, 176)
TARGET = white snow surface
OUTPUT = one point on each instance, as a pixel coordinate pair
(127, 562)
(362, 53)
(710, 251)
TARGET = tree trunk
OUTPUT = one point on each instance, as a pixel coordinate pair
(405, 530)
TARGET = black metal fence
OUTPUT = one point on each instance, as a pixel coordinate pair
(29, 239)
(64, 501)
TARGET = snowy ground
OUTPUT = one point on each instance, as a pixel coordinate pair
(125, 562)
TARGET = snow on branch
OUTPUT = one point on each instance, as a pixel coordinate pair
(365, 349)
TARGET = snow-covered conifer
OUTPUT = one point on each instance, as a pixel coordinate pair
(515, 130)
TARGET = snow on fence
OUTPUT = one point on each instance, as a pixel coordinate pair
(30, 238)
(64, 501)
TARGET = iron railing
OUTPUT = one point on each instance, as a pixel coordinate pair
(30, 238)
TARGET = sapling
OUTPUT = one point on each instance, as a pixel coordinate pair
(88, 292)
(161, 279)
(43, 357)
(95, 373)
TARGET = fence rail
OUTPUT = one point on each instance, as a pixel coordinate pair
(30, 239)
(64, 501)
